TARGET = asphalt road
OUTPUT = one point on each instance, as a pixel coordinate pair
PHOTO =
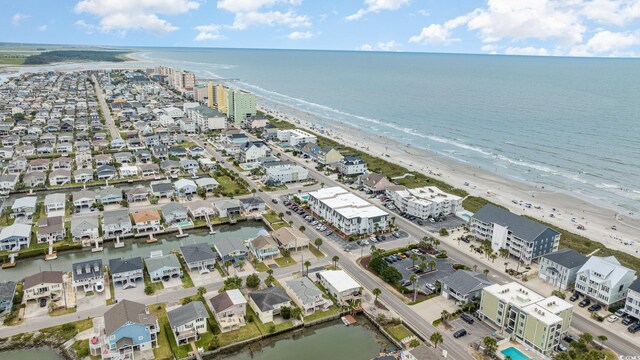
(115, 134)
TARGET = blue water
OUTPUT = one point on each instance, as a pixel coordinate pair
(514, 354)
(570, 124)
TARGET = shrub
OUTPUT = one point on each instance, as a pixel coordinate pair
(285, 312)
(272, 328)
(443, 232)
(253, 281)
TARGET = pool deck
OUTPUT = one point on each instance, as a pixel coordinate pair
(521, 348)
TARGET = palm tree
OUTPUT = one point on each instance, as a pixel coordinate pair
(435, 243)
(255, 262)
(505, 266)
(436, 338)
(302, 228)
(414, 258)
(335, 260)
(376, 292)
(445, 315)
(422, 266)
(306, 265)
(472, 248)
(486, 272)
(432, 264)
(587, 338)
(280, 215)
(227, 264)
(296, 312)
(602, 339)
(504, 252)
(475, 268)
(201, 291)
(493, 257)
(414, 280)
(318, 243)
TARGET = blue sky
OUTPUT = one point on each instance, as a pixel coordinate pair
(531, 27)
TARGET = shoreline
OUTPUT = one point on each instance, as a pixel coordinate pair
(482, 183)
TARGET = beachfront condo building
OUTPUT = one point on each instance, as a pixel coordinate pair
(211, 95)
(221, 98)
(207, 119)
(347, 213)
(425, 202)
(604, 280)
(283, 172)
(526, 240)
(295, 137)
(243, 105)
(525, 316)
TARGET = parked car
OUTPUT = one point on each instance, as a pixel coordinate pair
(584, 303)
(43, 302)
(396, 235)
(467, 318)
(568, 339)
(274, 201)
(574, 297)
(405, 283)
(561, 347)
(466, 239)
(416, 251)
(460, 333)
(328, 233)
(628, 320)
(620, 313)
(594, 307)
(288, 212)
(430, 287)
(634, 328)
(612, 318)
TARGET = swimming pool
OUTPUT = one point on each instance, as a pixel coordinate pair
(249, 167)
(514, 354)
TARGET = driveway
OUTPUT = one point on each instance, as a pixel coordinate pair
(475, 332)
(84, 302)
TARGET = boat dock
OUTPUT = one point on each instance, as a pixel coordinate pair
(348, 320)
(12, 261)
(182, 234)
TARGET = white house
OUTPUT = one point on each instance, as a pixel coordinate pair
(229, 309)
(283, 172)
(560, 268)
(604, 280)
(306, 295)
(425, 202)
(295, 137)
(15, 237)
(632, 305)
(252, 151)
(24, 207)
(127, 171)
(188, 322)
(340, 285)
(185, 187)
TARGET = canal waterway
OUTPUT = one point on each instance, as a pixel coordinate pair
(31, 354)
(243, 230)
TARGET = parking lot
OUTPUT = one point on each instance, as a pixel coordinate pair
(475, 332)
(444, 268)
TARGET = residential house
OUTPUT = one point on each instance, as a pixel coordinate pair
(352, 165)
(149, 170)
(325, 155)
(39, 165)
(283, 172)
(289, 238)
(117, 144)
(526, 240)
(295, 137)
(88, 275)
(126, 272)
(138, 193)
(632, 304)
(50, 229)
(147, 220)
(7, 293)
(268, 302)
(103, 159)
(252, 151)
(229, 309)
(263, 247)
(188, 322)
(200, 209)
(185, 187)
(170, 167)
(116, 223)
(199, 257)
(106, 172)
(54, 203)
(128, 171)
(128, 327)
(604, 280)
(8, 183)
(252, 205)
(207, 183)
(60, 177)
(375, 183)
(84, 228)
(160, 151)
(190, 166)
(233, 250)
(123, 157)
(306, 295)
(175, 214)
(62, 163)
(83, 200)
(24, 207)
(340, 285)
(44, 285)
(15, 237)
(83, 175)
(163, 267)
(226, 208)
(464, 286)
(34, 178)
(560, 268)
(162, 189)
(109, 195)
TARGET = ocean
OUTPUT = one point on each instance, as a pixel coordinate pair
(570, 124)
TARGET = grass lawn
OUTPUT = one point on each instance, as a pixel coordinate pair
(279, 225)
(331, 311)
(62, 311)
(81, 347)
(272, 217)
(112, 299)
(474, 203)
(154, 285)
(187, 144)
(67, 331)
(165, 338)
(261, 267)
(285, 261)
(314, 250)
(187, 282)
(249, 331)
(398, 332)
(228, 187)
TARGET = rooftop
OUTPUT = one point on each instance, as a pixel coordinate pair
(339, 280)
(521, 227)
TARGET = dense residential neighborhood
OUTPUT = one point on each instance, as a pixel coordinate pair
(181, 220)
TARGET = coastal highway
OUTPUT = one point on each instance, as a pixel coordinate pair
(580, 324)
(365, 279)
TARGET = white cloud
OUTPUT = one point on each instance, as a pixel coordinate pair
(42, 28)
(251, 13)
(424, 12)
(208, 32)
(607, 41)
(374, 6)
(18, 18)
(300, 35)
(611, 12)
(380, 46)
(123, 15)
(88, 28)
(433, 34)
(528, 50)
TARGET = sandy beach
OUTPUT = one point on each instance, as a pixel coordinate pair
(568, 211)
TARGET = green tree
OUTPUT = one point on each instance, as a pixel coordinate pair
(444, 316)
(306, 265)
(376, 292)
(318, 243)
(490, 344)
(436, 338)
(335, 260)
(296, 312)
(302, 228)
(227, 265)
(414, 258)
(253, 281)
(148, 289)
(201, 291)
